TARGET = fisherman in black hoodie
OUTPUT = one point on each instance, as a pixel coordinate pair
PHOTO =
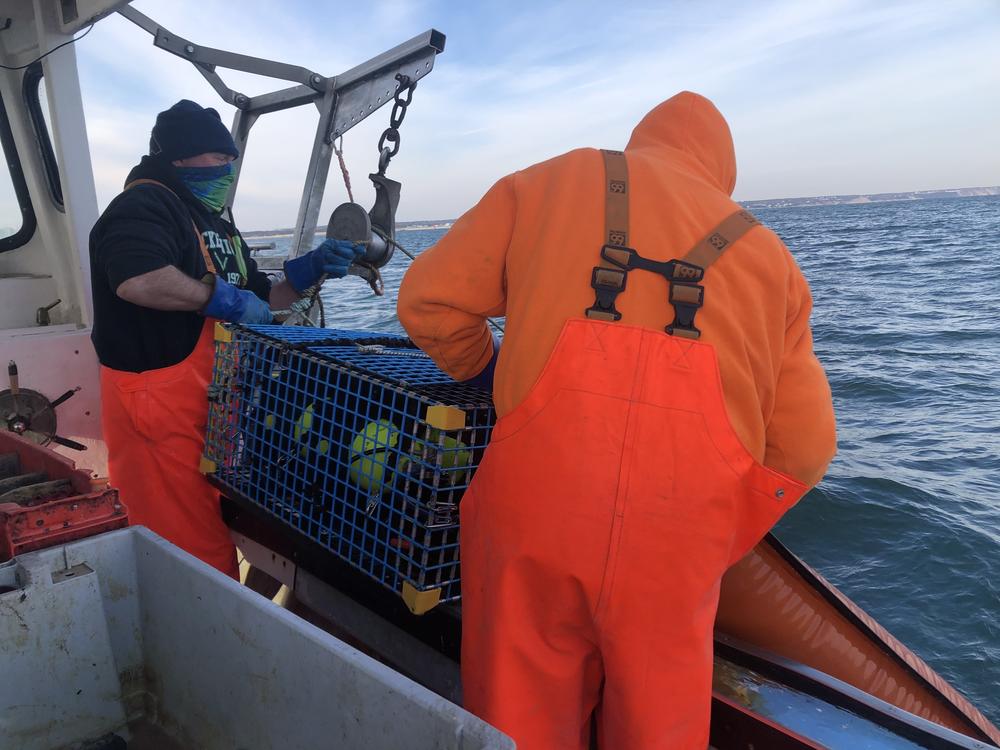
(164, 266)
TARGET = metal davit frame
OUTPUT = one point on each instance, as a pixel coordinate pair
(343, 100)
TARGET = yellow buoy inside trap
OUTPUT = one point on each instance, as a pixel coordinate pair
(372, 448)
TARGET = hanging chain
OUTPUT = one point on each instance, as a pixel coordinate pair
(391, 134)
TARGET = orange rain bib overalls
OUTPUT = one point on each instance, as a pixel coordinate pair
(598, 526)
(154, 426)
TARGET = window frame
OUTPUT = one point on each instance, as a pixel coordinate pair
(29, 221)
(30, 88)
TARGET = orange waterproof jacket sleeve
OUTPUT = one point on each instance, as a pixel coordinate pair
(452, 288)
(801, 432)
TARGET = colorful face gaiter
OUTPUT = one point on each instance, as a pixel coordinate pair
(210, 185)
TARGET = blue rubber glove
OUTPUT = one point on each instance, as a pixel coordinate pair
(332, 258)
(236, 305)
(484, 379)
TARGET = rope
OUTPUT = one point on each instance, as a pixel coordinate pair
(389, 240)
(381, 349)
(338, 149)
(304, 304)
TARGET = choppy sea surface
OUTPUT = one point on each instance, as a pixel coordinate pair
(907, 521)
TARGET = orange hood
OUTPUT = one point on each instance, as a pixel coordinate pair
(690, 123)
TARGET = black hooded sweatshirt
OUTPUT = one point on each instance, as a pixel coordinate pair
(146, 228)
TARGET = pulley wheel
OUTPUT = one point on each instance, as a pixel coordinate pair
(350, 222)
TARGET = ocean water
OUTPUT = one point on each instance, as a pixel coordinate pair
(907, 521)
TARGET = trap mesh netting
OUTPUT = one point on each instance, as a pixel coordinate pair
(354, 439)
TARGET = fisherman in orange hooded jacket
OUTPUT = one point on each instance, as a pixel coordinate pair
(660, 407)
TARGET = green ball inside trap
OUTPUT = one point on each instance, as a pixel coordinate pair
(370, 454)
(371, 449)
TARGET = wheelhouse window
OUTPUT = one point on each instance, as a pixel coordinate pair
(17, 218)
(41, 122)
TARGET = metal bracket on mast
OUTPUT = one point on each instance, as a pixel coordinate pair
(207, 59)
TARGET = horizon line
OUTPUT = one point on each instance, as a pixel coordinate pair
(280, 231)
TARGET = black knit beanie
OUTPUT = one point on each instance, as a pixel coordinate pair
(188, 129)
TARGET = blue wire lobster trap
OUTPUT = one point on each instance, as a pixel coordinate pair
(354, 439)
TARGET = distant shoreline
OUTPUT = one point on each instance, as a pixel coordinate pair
(844, 200)
(820, 200)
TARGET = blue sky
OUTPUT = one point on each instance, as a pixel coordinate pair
(823, 97)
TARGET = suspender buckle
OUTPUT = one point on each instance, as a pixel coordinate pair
(618, 255)
(683, 276)
(683, 272)
(608, 283)
(686, 299)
